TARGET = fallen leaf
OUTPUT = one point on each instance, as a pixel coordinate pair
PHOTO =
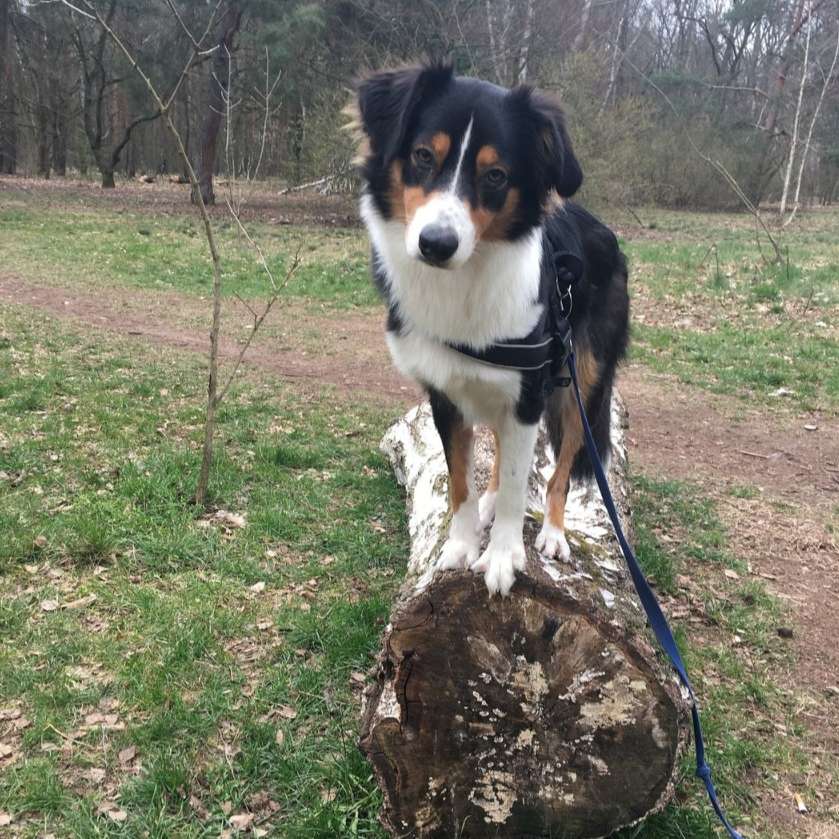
(49, 605)
(286, 712)
(5, 819)
(198, 808)
(732, 575)
(230, 519)
(81, 603)
(327, 795)
(279, 737)
(128, 754)
(241, 821)
(112, 811)
(40, 542)
(256, 588)
(799, 803)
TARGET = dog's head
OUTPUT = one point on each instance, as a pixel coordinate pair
(459, 161)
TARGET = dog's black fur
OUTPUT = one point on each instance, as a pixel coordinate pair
(404, 114)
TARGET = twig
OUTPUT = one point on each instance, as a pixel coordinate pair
(753, 454)
(246, 305)
(324, 180)
(634, 215)
(255, 328)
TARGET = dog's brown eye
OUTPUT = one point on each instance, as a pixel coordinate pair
(423, 157)
(495, 178)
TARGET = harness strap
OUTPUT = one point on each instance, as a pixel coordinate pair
(658, 622)
(513, 355)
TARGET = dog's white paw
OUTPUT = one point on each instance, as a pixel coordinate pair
(551, 542)
(499, 563)
(458, 553)
(486, 509)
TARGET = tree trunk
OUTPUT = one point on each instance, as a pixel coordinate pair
(545, 713)
(187, 132)
(793, 147)
(216, 100)
(8, 117)
(44, 141)
(107, 177)
(59, 140)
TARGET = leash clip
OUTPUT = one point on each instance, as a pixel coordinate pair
(566, 298)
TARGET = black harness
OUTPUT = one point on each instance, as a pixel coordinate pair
(548, 345)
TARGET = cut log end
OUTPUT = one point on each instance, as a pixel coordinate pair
(542, 714)
(516, 717)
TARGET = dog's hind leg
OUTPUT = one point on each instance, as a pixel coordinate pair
(551, 541)
(566, 433)
(462, 546)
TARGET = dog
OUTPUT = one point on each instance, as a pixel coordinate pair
(465, 198)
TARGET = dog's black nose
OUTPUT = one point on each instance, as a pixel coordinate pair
(437, 243)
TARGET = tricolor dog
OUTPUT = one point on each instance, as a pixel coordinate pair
(465, 188)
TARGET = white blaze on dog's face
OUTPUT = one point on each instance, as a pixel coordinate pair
(460, 161)
(441, 231)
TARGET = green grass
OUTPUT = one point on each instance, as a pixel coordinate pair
(95, 481)
(678, 535)
(752, 364)
(165, 253)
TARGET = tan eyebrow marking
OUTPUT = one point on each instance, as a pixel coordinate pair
(488, 156)
(441, 144)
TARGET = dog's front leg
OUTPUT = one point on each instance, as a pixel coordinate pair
(463, 544)
(505, 552)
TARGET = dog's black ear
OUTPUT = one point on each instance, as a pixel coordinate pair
(388, 100)
(554, 149)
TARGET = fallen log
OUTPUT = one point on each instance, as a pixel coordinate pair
(543, 714)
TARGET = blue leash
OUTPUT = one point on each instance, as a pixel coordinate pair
(658, 622)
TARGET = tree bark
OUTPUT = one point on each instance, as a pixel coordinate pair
(545, 713)
(43, 120)
(59, 139)
(793, 148)
(8, 117)
(216, 100)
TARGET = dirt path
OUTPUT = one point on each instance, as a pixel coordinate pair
(783, 531)
(346, 350)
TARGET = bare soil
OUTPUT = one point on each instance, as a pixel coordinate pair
(776, 482)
